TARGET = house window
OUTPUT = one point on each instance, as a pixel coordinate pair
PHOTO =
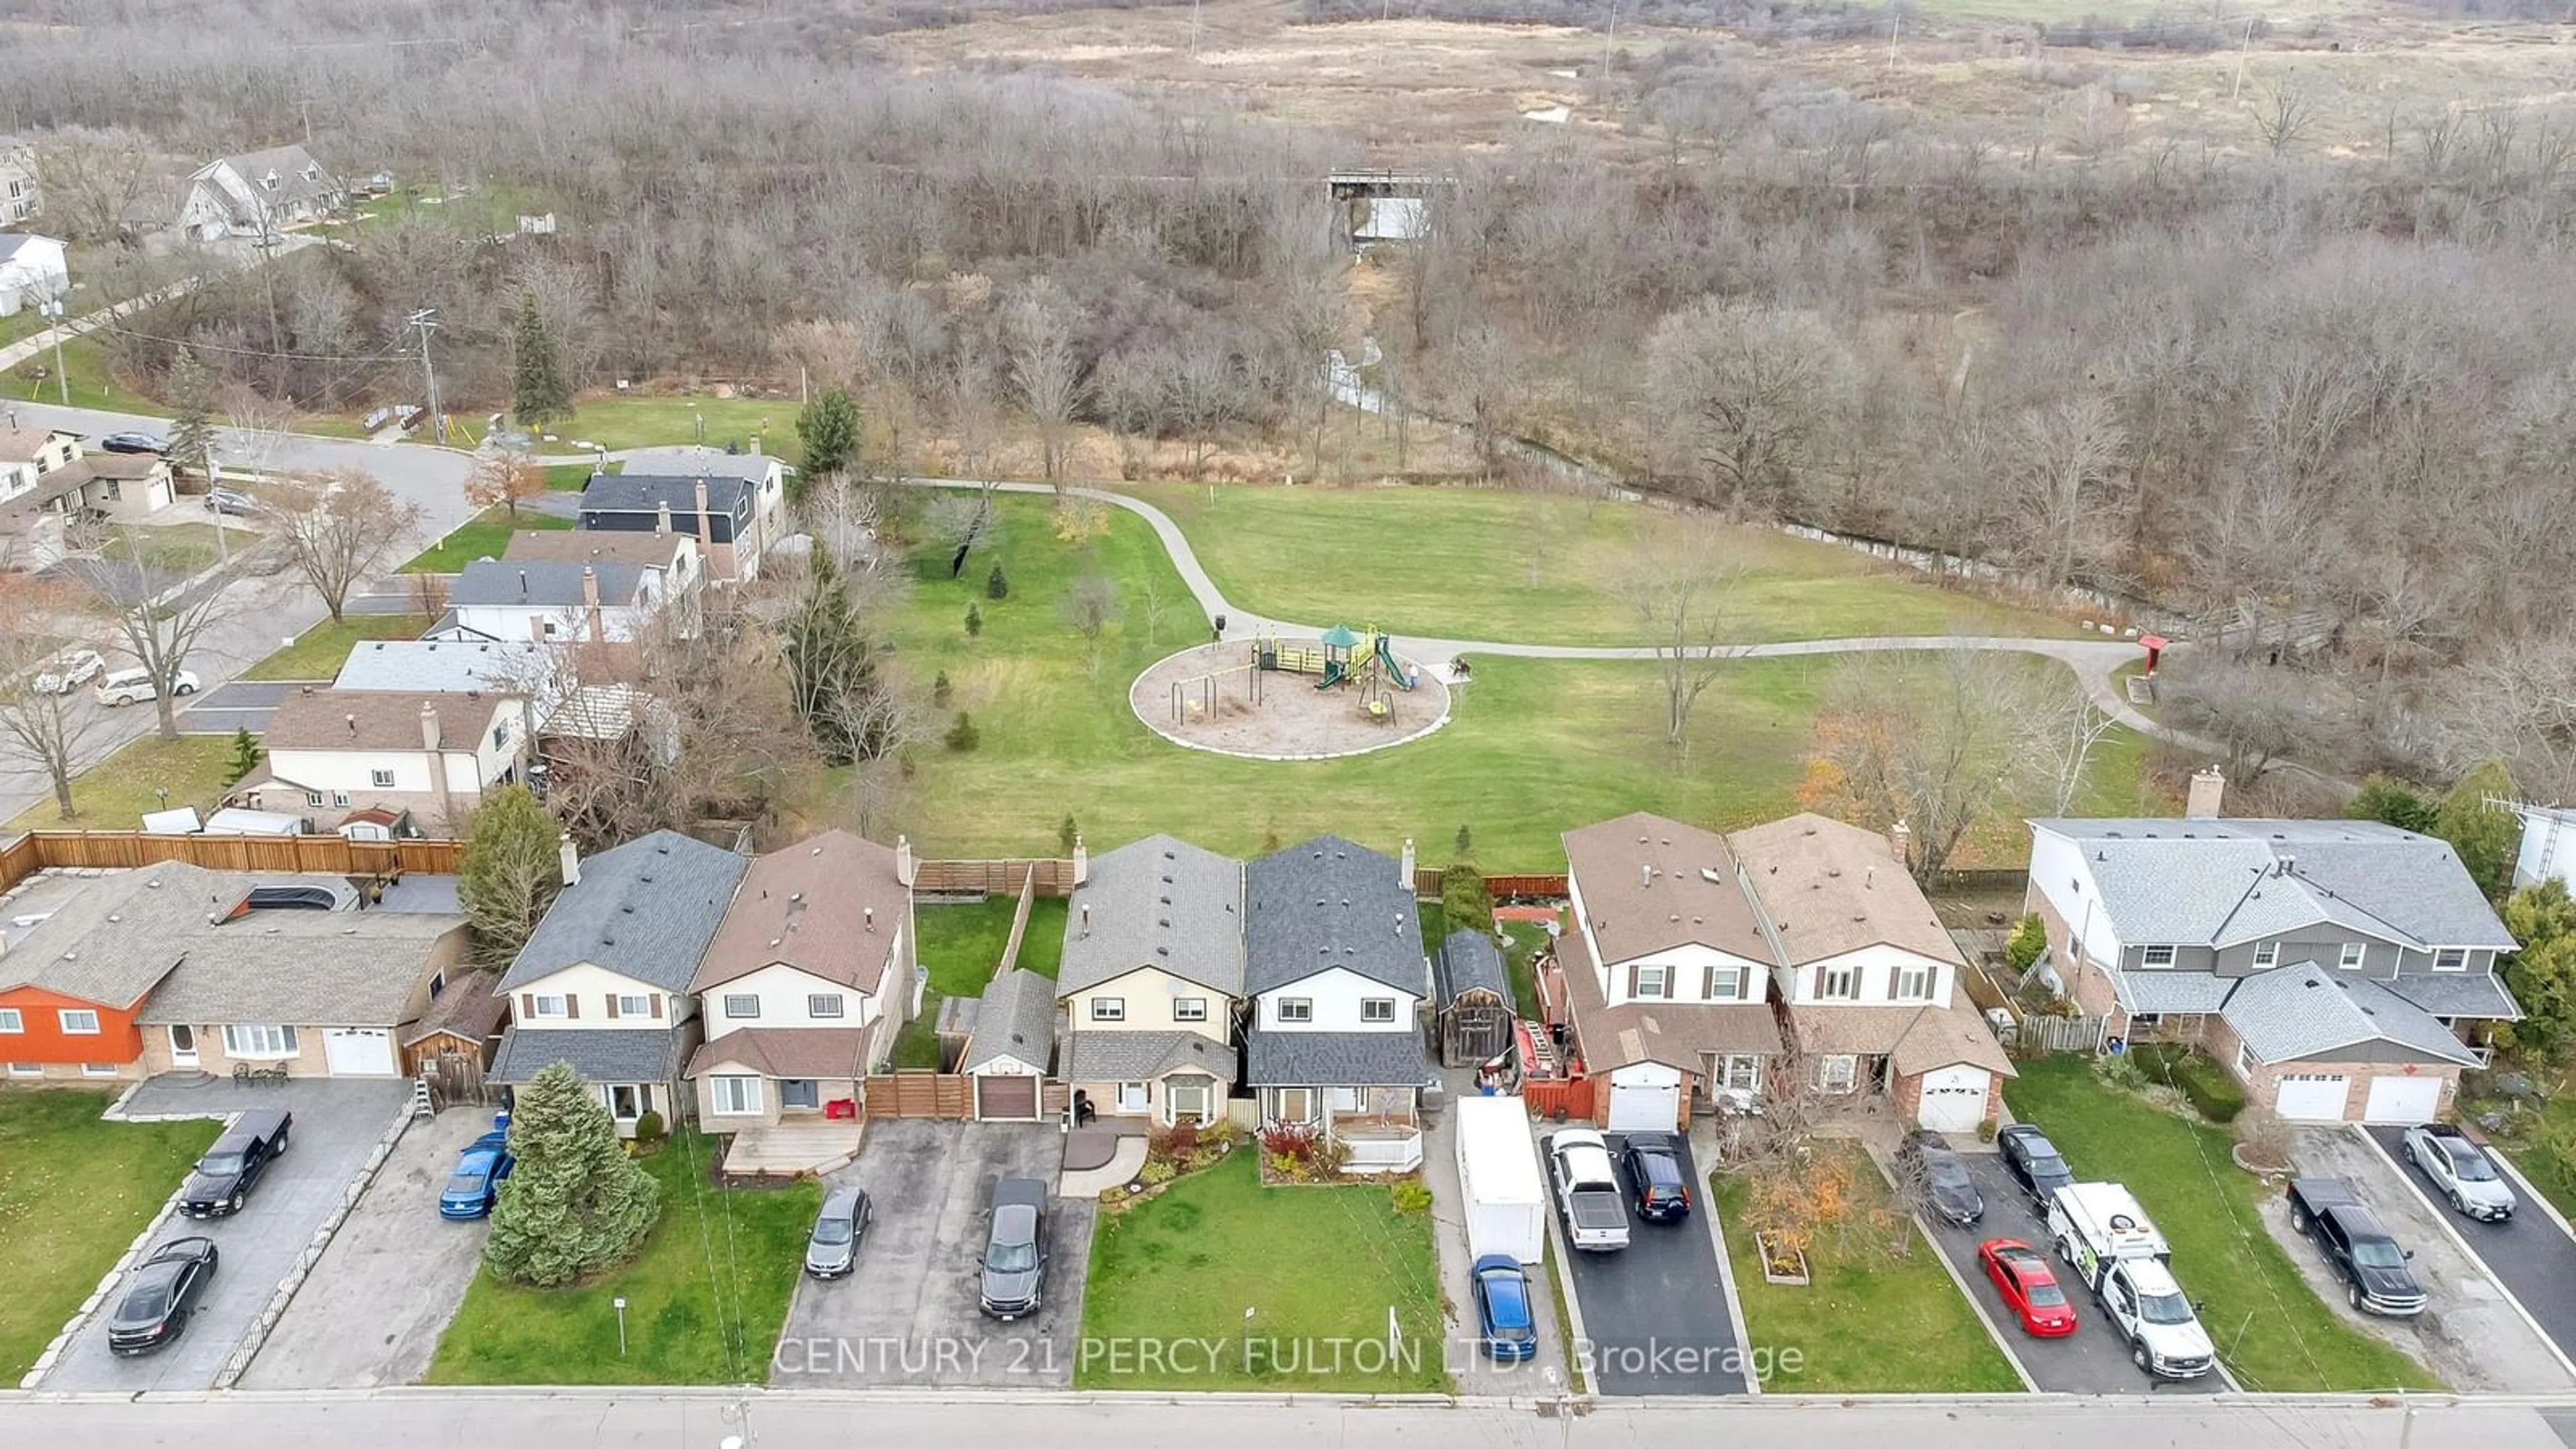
(10, 1022)
(98, 1069)
(2157, 956)
(26, 1069)
(78, 1023)
(1292, 1104)
(1838, 983)
(1190, 1008)
(1741, 1073)
(1914, 983)
(630, 1006)
(739, 1005)
(1188, 1101)
(500, 736)
(550, 628)
(1108, 1008)
(1725, 983)
(313, 799)
(259, 1040)
(737, 1096)
(340, 798)
(1837, 1073)
(2246, 1061)
(1377, 1008)
(824, 1006)
(626, 1103)
(2450, 958)
(1293, 1009)
(115, 491)
(545, 1005)
(381, 779)
(2350, 960)
(1654, 983)
(2267, 955)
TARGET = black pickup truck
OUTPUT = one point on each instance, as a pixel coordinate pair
(235, 1164)
(2354, 1244)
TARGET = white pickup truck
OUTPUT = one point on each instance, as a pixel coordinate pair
(2103, 1234)
(1587, 1190)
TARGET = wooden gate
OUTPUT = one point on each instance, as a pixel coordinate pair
(456, 1079)
(947, 1095)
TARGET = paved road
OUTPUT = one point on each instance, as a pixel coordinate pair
(242, 704)
(2530, 1255)
(1654, 1313)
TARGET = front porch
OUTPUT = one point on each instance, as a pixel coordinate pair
(1381, 1127)
(792, 1147)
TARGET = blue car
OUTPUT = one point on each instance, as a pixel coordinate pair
(1503, 1322)
(476, 1184)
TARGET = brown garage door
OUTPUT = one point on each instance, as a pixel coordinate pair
(1006, 1099)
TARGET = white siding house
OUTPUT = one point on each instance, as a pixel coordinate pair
(32, 269)
(333, 751)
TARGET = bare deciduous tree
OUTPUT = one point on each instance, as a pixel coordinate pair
(43, 720)
(1680, 591)
(1046, 375)
(504, 479)
(159, 623)
(1747, 389)
(337, 531)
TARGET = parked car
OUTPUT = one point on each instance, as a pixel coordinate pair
(129, 686)
(832, 1248)
(1656, 1182)
(2033, 1161)
(1505, 1327)
(230, 500)
(2356, 1245)
(2115, 1250)
(159, 1295)
(2029, 1288)
(475, 1186)
(1928, 1161)
(2468, 1180)
(69, 670)
(131, 443)
(235, 1164)
(1587, 1190)
(1015, 1250)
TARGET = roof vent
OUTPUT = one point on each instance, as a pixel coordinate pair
(1162, 950)
(773, 942)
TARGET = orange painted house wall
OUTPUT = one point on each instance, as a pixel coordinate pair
(41, 1038)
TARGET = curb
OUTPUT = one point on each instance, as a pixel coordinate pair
(1726, 1272)
(2442, 1216)
(266, 1323)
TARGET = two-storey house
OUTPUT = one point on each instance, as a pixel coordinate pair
(1666, 972)
(734, 504)
(2337, 967)
(1152, 982)
(48, 473)
(804, 985)
(1335, 972)
(258, 195)
(21, 193)
(335, 752)
(555, 601)
(603, 982)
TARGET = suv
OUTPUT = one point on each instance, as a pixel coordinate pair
(234, 1165)
(2033, 1162)
(2468, 1180)
(1015, 1254)
(1656, 1182)
(832, 1248)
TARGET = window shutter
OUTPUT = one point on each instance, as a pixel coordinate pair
(1708, 983)
(612, 1006)
(572, 1007)
(655, 1000)
(528, 1005)
(1895, 982)
(1633, 970)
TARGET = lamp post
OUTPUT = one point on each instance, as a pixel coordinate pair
(51, 308)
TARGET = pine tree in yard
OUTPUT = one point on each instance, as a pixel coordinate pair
(1067, 834)
(829, 428)
(995, 585)
(974, 621)
(941, 691)
(190, 444)
(246, 757)
(538, 391)
(512, 870)
(832, 670)
(575, 1204)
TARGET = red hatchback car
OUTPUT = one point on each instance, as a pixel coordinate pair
(2029, 1289)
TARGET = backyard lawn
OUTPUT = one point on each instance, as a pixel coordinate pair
(115, 793)
(176, 549)
(1469, 563)
(1278, 1281)
(1868, 1321)
(694, 1314)
(633, 421)
(2272, 1332)
(74, 1191)
(959, 947)
(484, 535)
(320, 651)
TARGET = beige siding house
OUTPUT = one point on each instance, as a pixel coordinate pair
(1152, 982)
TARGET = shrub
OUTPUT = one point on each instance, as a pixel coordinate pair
(941, 691)
(1157, 1170)
(974, 621)
(2207, 1086)
(1176, 1143)
(996, 586)
(2029, 940)
(1298, 1141)
(1283, 1165)
(1986, 1130)
(2392, 801)
(1411, 1197)
(962, 736)
(650, 1129)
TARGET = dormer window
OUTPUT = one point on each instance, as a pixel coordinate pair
(312, 172)
(268, 182)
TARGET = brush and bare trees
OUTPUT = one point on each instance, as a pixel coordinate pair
(43, 720)
(504, 479)
(1749, 389)
(337, 530)
(1680, 590)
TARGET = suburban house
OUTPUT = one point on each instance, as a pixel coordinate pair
(1866, 976)
(1010, 1046)
(803, 986)
(674, 554)
(450, 666)
(2339, 968)
(430, 756)
(172, 967)
(20, 196)
(1152, 981)
(32, 268)
(1472, 1010)
(1334, 969)
(734, 505)
(603, 982)
(554, 601)
(1667, 973)
(258, 195)
(48, 471)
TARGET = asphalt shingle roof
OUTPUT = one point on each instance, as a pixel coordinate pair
(790, 1052)
(431, 666)
(1469, 962)
(2305, 1012)
(305, 968)
(645, 909)
(1015, 1018)
(1650, 883)
(1159, 902)
(2474, 994)
(1336, 1059)
(647, 492)
(1144, 1056)
(543, 583)
(640, 1055)
(1327, 903)
(2178, 991)
(830, 905)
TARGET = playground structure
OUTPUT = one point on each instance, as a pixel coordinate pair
(1345, 656)
(1201, 696)
(1226, 696)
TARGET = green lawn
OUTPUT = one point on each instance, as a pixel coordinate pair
(1318, 1268)
(74, 1191)
(1868, 1321)
(631, 421)
(85, 364)
(1528, 938)
(1467, 563)
(485, 535)
(574, 477)
(2272, 1331)
(704, 1300)
(115, 793)
(176, 548)
(320, 651)
(960, 945)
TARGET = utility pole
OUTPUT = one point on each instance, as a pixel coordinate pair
(304, 108)
(2246, 50)
(52, 308)
(426, 319)
(1895, 25)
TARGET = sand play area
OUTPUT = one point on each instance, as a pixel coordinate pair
(1213, 697)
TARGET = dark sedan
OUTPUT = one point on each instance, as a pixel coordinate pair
(1927, 1164)
(1656, 1183)
(131, 443)
(160, 1294)
(2034, 1162)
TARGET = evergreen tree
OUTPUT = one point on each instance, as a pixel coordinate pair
(246, 757)
(829, 428)
(1464, 847)
(2485, 835)
(575, 1203)
(2542, 973)
(2392, 801)
(832, 669)
(941, 691)
(974, 621)
(539, 393)
(512, 870)
(995, 585)
(190, 445)
(1067, 833)
(963, 736)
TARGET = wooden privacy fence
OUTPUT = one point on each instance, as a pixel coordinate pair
(915, 1093)
(2061, 1033)
(1569, 1101)
(1426, 884)
(992, 877)
(303, 854)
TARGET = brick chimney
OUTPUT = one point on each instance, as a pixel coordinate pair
(571, 855)
(706, 527)
(2207, 794)
(428, 725)
(590, 609)
(1900, 839)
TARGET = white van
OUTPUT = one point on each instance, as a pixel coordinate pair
(131, 686)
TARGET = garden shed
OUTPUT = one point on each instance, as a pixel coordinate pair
(1473, 1005)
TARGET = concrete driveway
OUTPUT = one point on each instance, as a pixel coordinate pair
(908, 1316)
(370, 1313)
(1654, 1318)
(2092, 1360)
(1474, 1373)
(243, 704)
(337, 1124)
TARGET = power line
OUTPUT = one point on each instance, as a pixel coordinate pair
(263, 353)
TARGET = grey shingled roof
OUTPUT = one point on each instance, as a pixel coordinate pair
(2179, 991)
(696, 460)
(1144, 1056)
(2305, 1012)
(644, 1055)
(306, 968)
(431, 666)
(120, 935)
(1159, 902)
(2474, 994)
(542, 583)
(1468, 961)
(1336, 1059)
(2202, 881)
(646, 910)
(1014, 1018)
(1327, 903)
(642, 492)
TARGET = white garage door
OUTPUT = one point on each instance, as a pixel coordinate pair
(1954, 1099)
(1644, 1107)
(2311, 1097)
(351, 1052)
(2403, 1101)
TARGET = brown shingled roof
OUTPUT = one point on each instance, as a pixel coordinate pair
(788, 1052)
(807, 906)
(1918, 1038)
(21, 445)
(378, 719)
(1650, 884)
(1830, 888)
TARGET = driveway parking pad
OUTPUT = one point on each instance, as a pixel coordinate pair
(2475, 1342)
(1655, 1319)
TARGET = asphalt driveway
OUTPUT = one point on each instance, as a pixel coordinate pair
(370, 1313)
(243, 704)
(337, 1124)
(908, 1316)
(2094, 1359)
(2529, 1256)
(1655, 1319)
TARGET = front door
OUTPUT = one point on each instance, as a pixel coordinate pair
(799, 1093)
(183, 1047)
